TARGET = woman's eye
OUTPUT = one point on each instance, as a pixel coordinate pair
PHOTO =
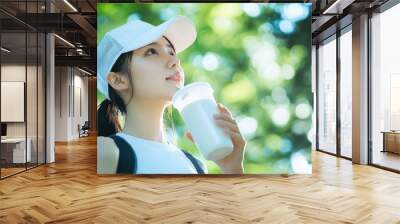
(151, 51)
(171, 51)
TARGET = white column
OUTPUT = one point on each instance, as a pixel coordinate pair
(360, 90)
(314, 91)
(50, 93)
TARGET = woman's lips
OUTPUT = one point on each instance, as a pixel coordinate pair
(175, 77)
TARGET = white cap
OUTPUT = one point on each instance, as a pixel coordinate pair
(136, 34)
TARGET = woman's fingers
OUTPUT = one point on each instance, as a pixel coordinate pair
(224, 109)
(227, 124)
(236, 137)
(225, 120)
(225, 117)
(233, 134)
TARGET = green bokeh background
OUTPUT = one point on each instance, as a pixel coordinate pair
(257, 57)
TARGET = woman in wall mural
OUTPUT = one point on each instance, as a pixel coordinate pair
(139, 72)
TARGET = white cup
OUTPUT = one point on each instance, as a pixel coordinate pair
(197, 105)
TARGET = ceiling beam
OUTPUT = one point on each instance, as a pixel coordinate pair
(82, 61)
(86, 27)
(337, 6)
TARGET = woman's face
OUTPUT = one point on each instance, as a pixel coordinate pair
(156, 71)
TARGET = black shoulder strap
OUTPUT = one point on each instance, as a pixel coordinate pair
(196, 162)
(127, 161)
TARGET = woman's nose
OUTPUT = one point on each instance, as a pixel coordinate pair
(173, 61)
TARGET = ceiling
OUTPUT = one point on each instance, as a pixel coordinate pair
(72, 20)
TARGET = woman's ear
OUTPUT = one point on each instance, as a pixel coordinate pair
(118, 81)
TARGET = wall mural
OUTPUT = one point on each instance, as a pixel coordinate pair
(204, 88)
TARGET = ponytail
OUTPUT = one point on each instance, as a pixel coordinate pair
(110, 109)
(107, 119)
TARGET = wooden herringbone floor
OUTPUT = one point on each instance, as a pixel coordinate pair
(70, 191)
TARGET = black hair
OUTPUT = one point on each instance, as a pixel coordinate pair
(109, 109)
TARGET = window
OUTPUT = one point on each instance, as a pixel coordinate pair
(385, 89)
(327, 96)
(23, 76)
(346, 93)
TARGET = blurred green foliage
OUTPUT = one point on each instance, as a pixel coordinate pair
(257, 57)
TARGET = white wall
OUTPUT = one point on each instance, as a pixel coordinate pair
(79, 117)
(14, 73)
(68, 83)
(61, 103)
(17, 73)
(34, 124)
